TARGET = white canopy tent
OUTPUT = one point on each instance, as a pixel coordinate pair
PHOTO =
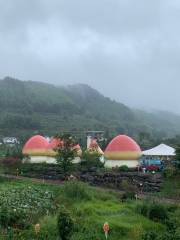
(160, 150)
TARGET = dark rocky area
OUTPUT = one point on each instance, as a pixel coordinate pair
(122, 181)
(143, 182)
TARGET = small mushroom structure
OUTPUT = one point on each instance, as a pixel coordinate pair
(94, 147)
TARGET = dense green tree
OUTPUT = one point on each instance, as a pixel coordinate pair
(66, 152)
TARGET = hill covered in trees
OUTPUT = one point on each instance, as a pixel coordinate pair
(29, 107)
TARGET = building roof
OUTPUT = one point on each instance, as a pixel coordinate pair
(160, 150)
(123, 147)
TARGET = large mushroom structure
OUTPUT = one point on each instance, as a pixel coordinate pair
(122, 150)
(38, 149)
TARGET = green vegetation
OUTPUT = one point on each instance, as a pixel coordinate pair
(90, 160)
(66, 153)
(29, 108)
(20, 206)
(178, 157)
(171, 188)
(123, 168)
(65, 224)
(87, 209)
(154, 211)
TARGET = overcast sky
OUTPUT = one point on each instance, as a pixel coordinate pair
(127, 49)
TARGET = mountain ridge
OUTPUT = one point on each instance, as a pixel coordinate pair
(29, 107)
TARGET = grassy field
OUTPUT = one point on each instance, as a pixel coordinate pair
(171, 188)
(90, 208)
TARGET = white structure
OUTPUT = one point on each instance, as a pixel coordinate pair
(10, 140)
(117, 163)
(89, 139)
(39, 159)
(161, 150)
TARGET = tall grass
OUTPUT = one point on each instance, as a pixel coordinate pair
(76, 191)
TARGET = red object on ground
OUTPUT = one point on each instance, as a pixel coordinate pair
(152, 168)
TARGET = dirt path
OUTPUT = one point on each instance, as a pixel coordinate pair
(35, 180)
(143, 196)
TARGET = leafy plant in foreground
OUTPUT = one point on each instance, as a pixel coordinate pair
(65, 224)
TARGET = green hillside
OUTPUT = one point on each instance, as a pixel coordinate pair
(29, 107)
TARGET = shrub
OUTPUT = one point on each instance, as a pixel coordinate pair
(75, 190)
(11, 164)
(91, 160)
(123, 168)
(169, 172)
(143, 209)
(65, 224)
(171, 226)
(136, 232)
(158, 212)
(128, 186)
(165, 236)
(153, 211)
(128, 195)
(150, 236)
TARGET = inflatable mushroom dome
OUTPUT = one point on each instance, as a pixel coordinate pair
(36, 146)
(38, 149)
(122, 150)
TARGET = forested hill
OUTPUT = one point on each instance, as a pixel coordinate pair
(29, 107)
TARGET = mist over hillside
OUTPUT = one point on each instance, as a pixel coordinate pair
(29, 107)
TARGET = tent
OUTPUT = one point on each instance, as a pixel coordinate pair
(160, 150)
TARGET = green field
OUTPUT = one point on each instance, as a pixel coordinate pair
(28, 203)
(171, 188)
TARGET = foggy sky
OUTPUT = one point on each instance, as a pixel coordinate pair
(129, 50)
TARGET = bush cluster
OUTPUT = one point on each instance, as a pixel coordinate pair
(170, 234)
(65, 224)
(169, 172)
(123, 168)
(90, 160)
(76, 191)
(153, 211)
